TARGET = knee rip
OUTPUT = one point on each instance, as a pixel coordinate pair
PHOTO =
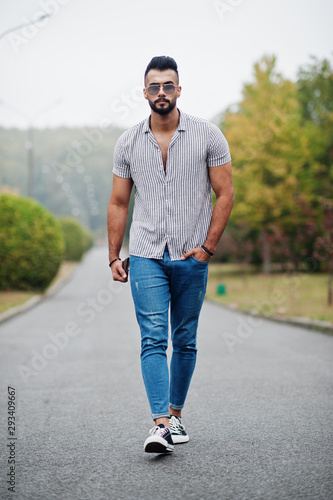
(154, 343)
(185, 347)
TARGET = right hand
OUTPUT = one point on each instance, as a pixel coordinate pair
(118, 272)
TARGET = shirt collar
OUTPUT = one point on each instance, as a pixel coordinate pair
(181, 124)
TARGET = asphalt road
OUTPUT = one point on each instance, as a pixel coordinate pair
(259, 410)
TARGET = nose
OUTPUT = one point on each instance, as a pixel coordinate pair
(161, 91)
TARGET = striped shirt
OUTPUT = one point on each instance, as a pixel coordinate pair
(172, 207)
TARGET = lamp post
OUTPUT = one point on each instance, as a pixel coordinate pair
(24, 25)
(29, 145)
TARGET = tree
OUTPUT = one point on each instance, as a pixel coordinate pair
(269, 150)
(315, 93)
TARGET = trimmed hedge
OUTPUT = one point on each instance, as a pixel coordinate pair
(31, 244)
(77, 239)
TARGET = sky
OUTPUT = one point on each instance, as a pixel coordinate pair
(84, 65)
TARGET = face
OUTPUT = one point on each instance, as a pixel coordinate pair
(162, 103)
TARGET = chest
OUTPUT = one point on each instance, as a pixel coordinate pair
(181, 157)
(163, 141)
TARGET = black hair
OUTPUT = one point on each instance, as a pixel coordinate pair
(162, 63)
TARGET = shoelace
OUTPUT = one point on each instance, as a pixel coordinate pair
(160, 430)
(175, 425)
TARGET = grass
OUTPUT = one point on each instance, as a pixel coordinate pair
(13, 298)
(279, 294)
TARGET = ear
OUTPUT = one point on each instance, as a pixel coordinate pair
(179, 91)
(145, 94)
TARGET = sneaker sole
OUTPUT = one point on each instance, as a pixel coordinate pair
(156, 444)
(177, 439)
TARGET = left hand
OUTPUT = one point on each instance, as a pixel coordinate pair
(198, 253)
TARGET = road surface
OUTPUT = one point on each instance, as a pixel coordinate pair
(259, 410)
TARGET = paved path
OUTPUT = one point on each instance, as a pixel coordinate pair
(259, 411)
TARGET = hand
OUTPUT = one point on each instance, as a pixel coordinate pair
(198, 253)
(118, 272)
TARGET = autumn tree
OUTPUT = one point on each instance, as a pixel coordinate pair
(269, 150)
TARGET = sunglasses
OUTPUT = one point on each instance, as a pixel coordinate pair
(168, 89)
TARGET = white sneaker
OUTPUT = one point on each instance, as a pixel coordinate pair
(178, 432)
(160, 440)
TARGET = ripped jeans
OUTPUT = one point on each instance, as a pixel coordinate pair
(156, 284)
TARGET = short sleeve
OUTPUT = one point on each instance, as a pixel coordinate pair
(121, 166)
(218, 149)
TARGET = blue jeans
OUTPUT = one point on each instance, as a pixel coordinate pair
(156, 284)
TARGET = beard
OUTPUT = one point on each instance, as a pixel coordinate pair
(166, 109)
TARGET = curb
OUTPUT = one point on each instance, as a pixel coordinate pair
(319, 326)
(14, 311)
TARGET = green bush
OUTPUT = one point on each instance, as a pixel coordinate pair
(31, 244)
(77, 239)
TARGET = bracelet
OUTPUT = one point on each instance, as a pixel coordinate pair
(114, 260)
(208, 252)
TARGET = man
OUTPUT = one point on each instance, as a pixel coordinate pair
(174, 160)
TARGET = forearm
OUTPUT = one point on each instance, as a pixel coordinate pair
(220, 217)
(116, 222)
